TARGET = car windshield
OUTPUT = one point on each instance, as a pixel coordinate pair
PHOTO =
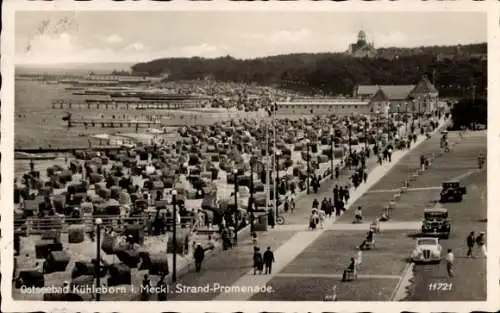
(450, 185)
(435, 215)
(426, 241)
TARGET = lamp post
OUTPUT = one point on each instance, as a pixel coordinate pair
(331, 153)
(366, 134)
(388, 125)
(406, 119)
(252, 199)
(349, 128)
(308, 165)
(235, 172)
(276, 187)
(98, 223)
(174, 235)
(419, 113)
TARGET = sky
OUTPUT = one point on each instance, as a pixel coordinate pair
(59, 37)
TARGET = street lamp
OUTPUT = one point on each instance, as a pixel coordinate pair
(366, 134)
(174, 236)
(388, 125)
(349, 128)
(406, 119)
(252, 199)
(331, 153)
(276, 187)
(419, 112)
(98, 222)
(235, 172)
(308, 165)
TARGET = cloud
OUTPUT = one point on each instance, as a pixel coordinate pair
(113, 39)
(282, 36)
(202, 50)
(136, 46)
(394, 39)
(66, 48)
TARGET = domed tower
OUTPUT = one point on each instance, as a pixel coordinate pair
(361, 37)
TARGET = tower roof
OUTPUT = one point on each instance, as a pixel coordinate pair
(424, 87)
(380, 96)
(361, 36)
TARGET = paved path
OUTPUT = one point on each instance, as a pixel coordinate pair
(299, 242)
(398, 189)
(232, 267)
(469, 283)
(336, 276)
(330, 225)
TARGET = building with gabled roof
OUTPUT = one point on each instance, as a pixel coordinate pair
(421, 97)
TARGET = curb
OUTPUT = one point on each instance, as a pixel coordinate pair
(401, 291)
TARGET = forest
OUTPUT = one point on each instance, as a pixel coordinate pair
(338, 73)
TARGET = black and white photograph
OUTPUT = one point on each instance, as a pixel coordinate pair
(250, 156)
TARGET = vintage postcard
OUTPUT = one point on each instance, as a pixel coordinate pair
(252, 157)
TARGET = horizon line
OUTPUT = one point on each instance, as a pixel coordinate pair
(243, 58)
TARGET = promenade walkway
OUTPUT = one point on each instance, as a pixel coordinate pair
(286, 253)
(234, 267)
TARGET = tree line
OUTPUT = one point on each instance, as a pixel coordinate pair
(335, 73)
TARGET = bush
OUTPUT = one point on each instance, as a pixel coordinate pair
(468, 112)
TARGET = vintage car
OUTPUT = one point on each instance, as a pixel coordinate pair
(452, 191)
(436, 223)
(427, 250)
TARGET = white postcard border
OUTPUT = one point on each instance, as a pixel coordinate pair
(7, 168)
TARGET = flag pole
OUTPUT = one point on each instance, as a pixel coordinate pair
(267, 166)
(276, 167)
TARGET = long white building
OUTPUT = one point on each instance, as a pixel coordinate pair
(323, 106)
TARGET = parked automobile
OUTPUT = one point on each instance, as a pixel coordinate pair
(427, 250)
(436, 223)
(452, 191)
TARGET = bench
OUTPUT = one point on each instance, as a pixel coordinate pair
(350, 275)
(369, 245)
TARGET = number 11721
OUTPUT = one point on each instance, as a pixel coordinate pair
(440, 286)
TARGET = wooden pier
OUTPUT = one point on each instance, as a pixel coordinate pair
(112, 123)
(126, 105)
(68, 149)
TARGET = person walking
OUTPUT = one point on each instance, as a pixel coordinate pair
(270, 219)
(336, 193)
(199, 255)
(268, 260)
(481, 243)
(471, 241)
(358, 215)
(292, 205)
(331, 206)
(322, 217)
(161, 286)
(313, 219)
(315, 204)
(450, 263)
(145, 288)
(346, 194)
(389, 154)
(257, 261)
